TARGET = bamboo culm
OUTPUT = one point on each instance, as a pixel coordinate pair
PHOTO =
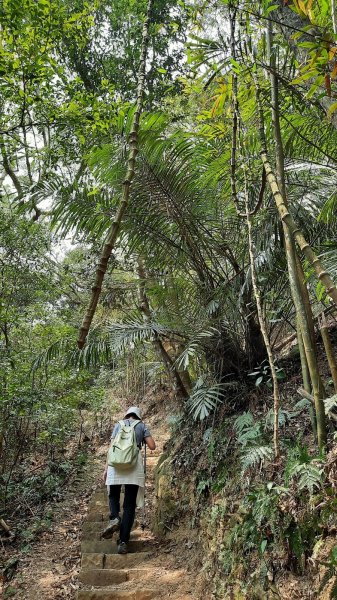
(329, 350)
(294, 231)
(304, 321)
(116, 225)
(262, 322)
(286, 218)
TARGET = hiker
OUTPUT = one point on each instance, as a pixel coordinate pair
(132, 478)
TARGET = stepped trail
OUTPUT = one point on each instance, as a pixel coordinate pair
(148, 571)
(71, 562)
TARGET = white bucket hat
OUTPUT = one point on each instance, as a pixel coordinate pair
(134, 410)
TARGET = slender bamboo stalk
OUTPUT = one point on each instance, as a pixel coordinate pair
(263, 327)
(306, 377)
(133, 151)
(334, 16)
(235, 108)
(304, 362)
(329, 350)
(309, 318)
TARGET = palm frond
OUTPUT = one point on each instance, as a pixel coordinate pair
(204, 399)
(132, 332)
(196, 345)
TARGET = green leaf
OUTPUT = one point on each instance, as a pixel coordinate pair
(332, 109)
(271, 8)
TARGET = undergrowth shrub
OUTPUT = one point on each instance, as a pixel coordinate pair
(270, 516)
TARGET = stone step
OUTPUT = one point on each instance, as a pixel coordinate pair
(147, 576)
(96, 516)
(96, 505)
(135, 594)
(113, 561)
(102, 577)
(93, 531)
(95, 527)
(110, 546)
(151, 461)
(101, 518)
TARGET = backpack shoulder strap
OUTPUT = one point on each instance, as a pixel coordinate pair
(133, 424)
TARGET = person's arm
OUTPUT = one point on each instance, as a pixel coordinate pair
(149, 441)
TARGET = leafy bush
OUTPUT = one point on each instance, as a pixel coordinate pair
(262, 374)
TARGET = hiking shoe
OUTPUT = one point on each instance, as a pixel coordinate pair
(114, 525)
(122, 548)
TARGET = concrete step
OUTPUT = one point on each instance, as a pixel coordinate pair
(147, 576)
(114, 561)
(110, 546)
(135, 594)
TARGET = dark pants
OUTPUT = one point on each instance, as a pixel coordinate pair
(129, 508)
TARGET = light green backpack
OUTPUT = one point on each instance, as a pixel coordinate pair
(123, 451)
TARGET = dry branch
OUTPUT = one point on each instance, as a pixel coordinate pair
(5, 528)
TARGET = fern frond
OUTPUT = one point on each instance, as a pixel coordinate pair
(330, 404)
(284, 416)
(308, 475)
(301, 405)
(254, 456)
(243, 422)
(250, 434)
